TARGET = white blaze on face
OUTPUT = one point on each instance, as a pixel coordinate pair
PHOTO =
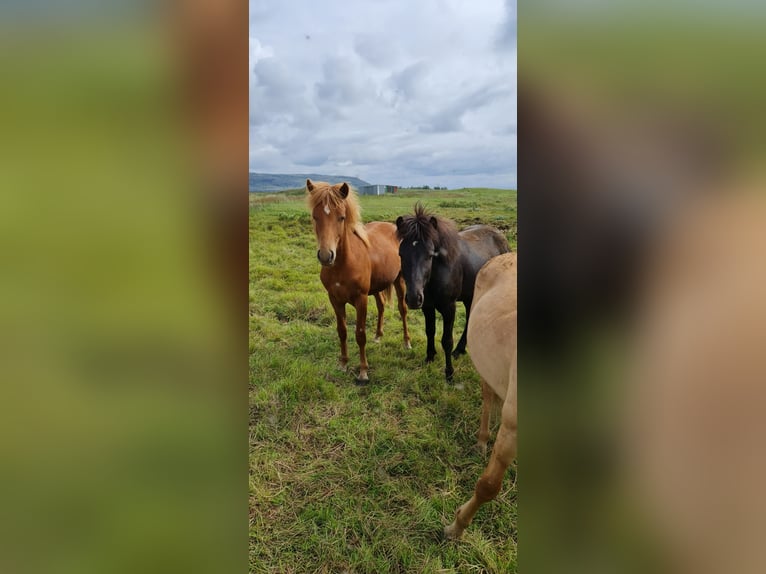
(327, 208)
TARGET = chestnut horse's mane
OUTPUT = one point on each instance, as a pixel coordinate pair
(418, 227)
(325, 193)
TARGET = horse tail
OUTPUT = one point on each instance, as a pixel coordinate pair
(501, 241)
(387, 293)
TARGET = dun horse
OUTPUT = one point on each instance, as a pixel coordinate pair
(492, 344)
(439, 266)
(357, 261)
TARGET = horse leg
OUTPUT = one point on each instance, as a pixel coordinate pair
(491, 481)
(430, 314)
(400, 287)
(448, 317)
(381, 308)
(340, 317)
(460, 349)
(487, 397)
(361, 337)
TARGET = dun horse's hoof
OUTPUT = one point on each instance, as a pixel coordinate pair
(481, 448)
(361, 382)
(408, 345)
(453, 532)
(377, 339)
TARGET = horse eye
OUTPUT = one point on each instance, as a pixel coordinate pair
(342, 218)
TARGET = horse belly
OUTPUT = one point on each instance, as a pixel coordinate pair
(491, 340)
(385, 264)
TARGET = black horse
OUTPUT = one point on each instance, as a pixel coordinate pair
(439, 265)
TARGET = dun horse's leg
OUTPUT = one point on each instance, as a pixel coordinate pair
(430, 314)
(491, 480)
(381, 308)
(340, 317)
(487, 398)
(361, 337)
(448, 317)
(400, 287)
(460, 349)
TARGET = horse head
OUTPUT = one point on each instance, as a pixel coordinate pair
(418, 248)
(329, 212)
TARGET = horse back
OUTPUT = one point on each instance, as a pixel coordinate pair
(479, 244)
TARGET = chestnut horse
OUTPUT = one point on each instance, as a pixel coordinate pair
(492, 346)
(439, 266)
(357, 261)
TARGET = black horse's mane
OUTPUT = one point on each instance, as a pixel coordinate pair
(420, 227)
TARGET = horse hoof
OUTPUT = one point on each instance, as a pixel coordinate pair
(342, 368)
(408, 345)
(456, 386)
(457, 352)
(429, 359)
(376, 340)
(481, 448)
(453, 532)
(361, 382)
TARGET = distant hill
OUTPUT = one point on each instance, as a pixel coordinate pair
(279, 181)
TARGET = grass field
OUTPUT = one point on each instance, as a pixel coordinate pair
(361, 479)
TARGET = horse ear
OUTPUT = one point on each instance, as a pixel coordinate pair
(434, 222)
(309, 185)
(399, 221)
(344, 190)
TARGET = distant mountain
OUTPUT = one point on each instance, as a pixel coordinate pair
(279, 181)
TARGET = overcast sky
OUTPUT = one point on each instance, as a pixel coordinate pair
(397, 92)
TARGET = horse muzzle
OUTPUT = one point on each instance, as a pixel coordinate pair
(414, 300)
(326, 257)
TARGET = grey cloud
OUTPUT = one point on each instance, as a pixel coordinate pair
(377, 50)
(409, 81)
(435, 107)
(277, 94)
(260, 10)
(311, 158)
(449, 119)
(444, 122)
(490, 163)
(506, 38)
(273, 76)
(341, 84)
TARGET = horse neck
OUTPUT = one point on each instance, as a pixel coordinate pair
(348, 247)
(455, 259)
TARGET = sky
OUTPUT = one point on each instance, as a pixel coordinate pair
(395, 92)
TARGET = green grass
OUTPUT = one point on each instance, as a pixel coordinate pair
(361, 479)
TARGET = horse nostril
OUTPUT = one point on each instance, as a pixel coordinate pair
(414, 300)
